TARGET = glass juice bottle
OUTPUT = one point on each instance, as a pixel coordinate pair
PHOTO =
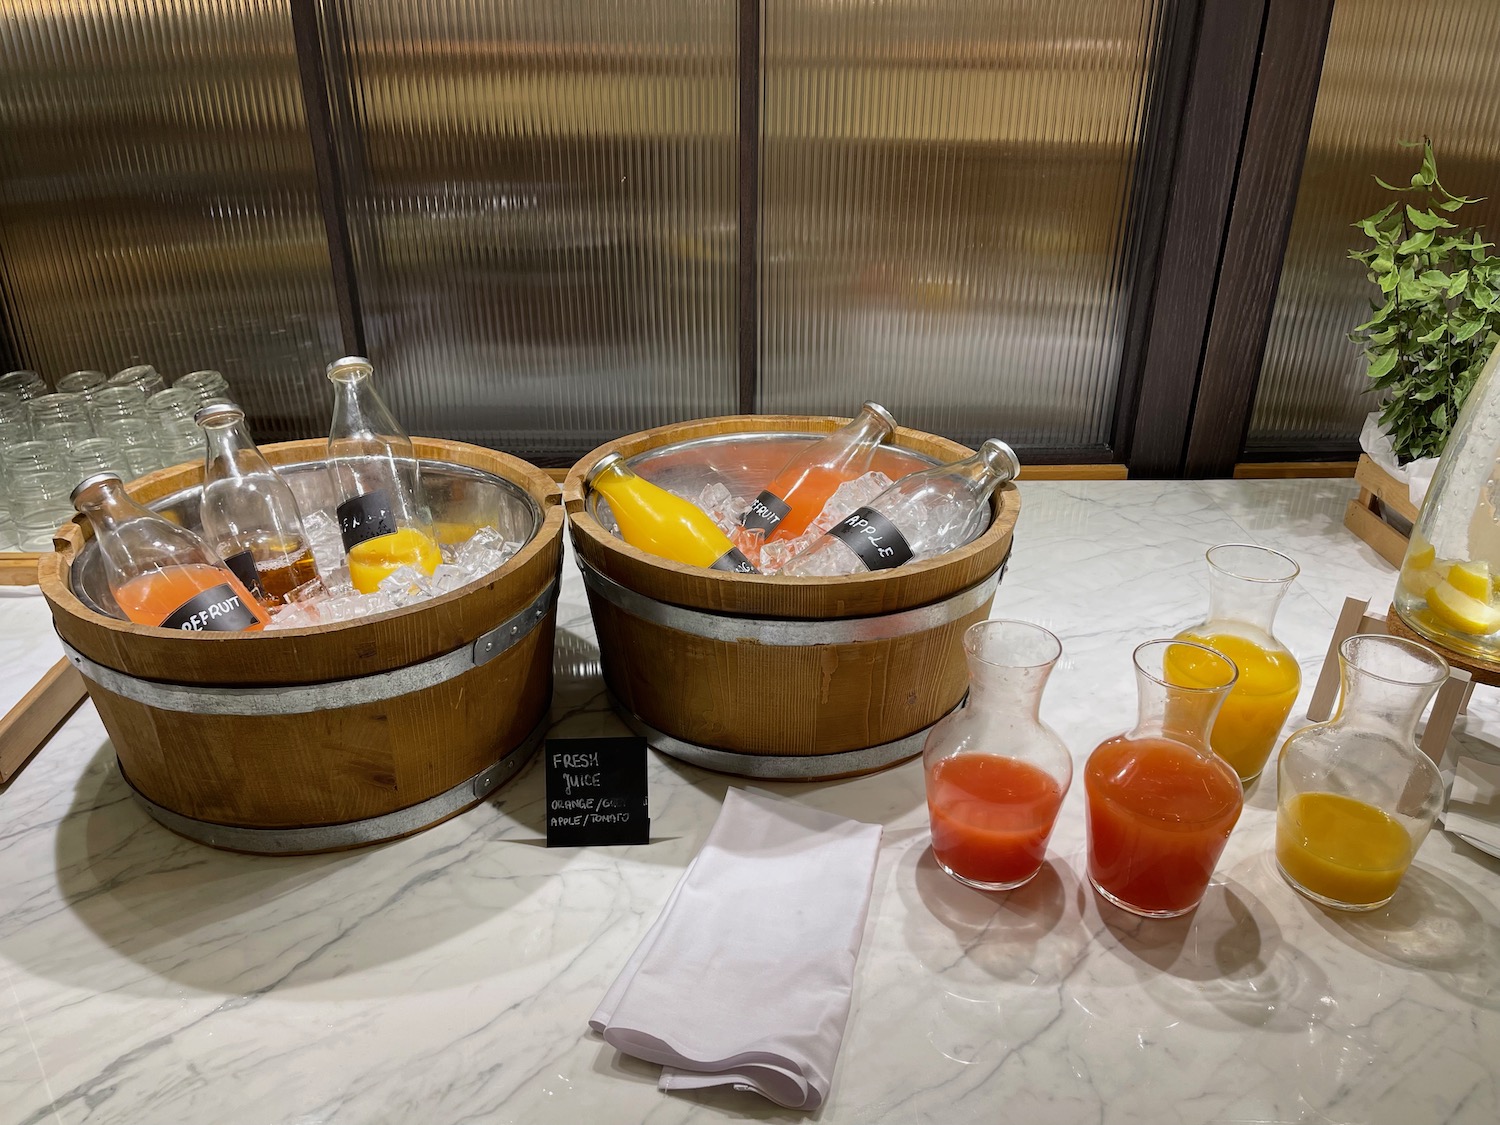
(382, 512)
(1355, 796)
(159, 573)
(1161, 804)
(662, 523)
(1246, 585)
(996, 774)
(248, 512)
(803, 487)
(922, 514)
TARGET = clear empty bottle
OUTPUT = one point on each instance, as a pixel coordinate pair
(382, 511)
(798, 493)
(162, 574)
(921, 515)
(663, 523)
(248, 512)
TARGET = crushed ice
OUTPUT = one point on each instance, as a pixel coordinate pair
(331, 597)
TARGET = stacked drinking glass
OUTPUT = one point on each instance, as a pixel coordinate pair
(130, 423)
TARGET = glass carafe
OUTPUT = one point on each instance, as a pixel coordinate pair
(1446, 592)
(996, 774)
(1161, 803)
(1355, 796)
(1246, 585)
(382, 513)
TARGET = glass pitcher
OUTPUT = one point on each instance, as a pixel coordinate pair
(1446, 591)
(1246, 585)
(996, 774)
(1161, 803)
(1355, 796)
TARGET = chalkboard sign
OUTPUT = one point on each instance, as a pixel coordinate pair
(596, 792)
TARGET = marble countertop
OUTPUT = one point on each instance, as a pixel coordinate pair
(449, 977)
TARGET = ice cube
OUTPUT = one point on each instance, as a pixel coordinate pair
(851, 494)
(308, 592)
(448, 577)
(322, 531)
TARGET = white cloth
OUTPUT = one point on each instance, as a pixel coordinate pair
(1417, 475)
(745, 979)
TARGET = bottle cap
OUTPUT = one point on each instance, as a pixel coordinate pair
(1001, 457)
(599, 466)
(881, 412)
(89, 482)
(216, 412)
(350, 367)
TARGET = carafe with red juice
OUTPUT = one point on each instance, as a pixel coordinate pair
(996, 774)
(1161, 803)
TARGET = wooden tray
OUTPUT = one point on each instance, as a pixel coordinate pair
(1382, 515)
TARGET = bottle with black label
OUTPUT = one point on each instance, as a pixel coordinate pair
(920, 515)
(248, 512)
(799, 492)
(382, 512)
(661, 523)
(159, 573)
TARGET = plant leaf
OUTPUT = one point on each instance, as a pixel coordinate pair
(1425, 220)
(1466, 331)
(1381, 364)
(1419, 241)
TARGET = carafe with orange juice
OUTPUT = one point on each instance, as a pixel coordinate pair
(382, 510)
(995, 773)
(662, 523)
(248, 512)
(1355, 796)
(1161, 803)
(1246, 585)
(800, 491)
(162, 574)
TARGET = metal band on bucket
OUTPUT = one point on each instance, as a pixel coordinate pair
(353, 833)
(792, 633)
(791, 767)
(330, 694)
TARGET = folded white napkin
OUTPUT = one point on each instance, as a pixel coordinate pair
(745, 978)
(1474, 805)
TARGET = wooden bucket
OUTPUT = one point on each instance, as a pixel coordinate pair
(781, 677)
(310, 740)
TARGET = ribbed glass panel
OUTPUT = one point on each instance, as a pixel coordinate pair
(544, 204)
(1393, 72)
(945, 190)
(157, 198)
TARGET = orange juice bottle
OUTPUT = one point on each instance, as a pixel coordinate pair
(159, 573)
(661, 523)
(788, 505)
(382, 512)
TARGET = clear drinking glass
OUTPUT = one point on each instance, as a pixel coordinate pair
(1246, 585)
(136, 440)
(86, 384)
(208, 385)
(1161, 803)
(996, 774)
(25, 458)
(51, 409)
(27, 384)
(1355, 796)
(179, 437)
(115, 404)
(40, 506)
(142, 376)
(94, 455)
(66, 436)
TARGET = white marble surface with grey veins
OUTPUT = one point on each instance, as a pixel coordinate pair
(449, 977)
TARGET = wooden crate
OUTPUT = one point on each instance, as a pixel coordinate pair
(1382, 515)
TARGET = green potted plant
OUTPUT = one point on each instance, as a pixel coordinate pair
(1433, 326)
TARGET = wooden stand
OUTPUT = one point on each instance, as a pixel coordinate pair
(1452, 698)
(32, 721)
(18, 568)
(1383, 513)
